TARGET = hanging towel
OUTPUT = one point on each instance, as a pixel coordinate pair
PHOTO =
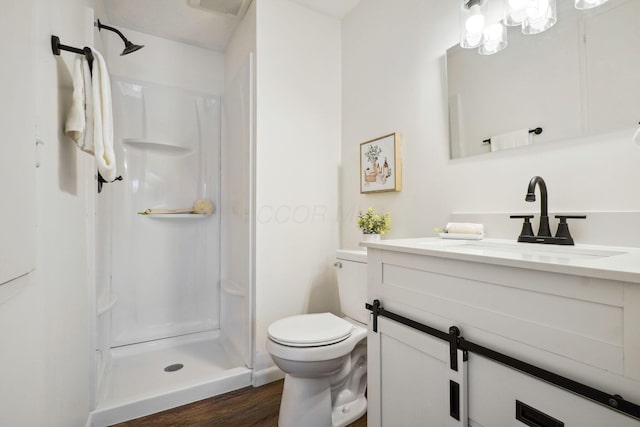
(102, 119)
(88, 108)
(79, 124)
(76, 123)
(518, 138)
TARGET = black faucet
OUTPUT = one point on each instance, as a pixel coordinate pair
(543, 229)
(562, 237)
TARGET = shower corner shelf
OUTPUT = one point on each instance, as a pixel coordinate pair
(178, 216)
(159, 146)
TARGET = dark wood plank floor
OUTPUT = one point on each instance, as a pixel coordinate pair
(245, 407)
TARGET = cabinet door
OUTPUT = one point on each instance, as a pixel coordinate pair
(410, 380)
(495, 390)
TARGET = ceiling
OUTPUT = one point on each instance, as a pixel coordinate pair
(176, 20)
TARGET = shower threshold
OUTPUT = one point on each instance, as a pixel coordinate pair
(154, 376)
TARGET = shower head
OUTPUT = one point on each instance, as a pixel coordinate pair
(128, 46)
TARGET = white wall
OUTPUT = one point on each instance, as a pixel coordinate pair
(298, 150)
(241, 44)
(21, 300)
(165, 62)
(393, 80)
(44, 316)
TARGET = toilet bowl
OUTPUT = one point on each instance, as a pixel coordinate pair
(324, 357)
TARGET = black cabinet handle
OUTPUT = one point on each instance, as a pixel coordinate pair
(534, 418)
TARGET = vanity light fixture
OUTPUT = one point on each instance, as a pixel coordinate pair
(472, 22)
(540, 16)
(515, 12)
(588, 4)
(534, 16)
(495, 39)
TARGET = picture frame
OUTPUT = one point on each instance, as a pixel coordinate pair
(380, 165)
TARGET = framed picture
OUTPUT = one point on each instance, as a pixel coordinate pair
(380, 168)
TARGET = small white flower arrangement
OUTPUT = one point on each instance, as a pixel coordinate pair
(372, 223)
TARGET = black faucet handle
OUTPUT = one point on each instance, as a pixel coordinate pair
(564, 218)
(527, 230)
(563, 227)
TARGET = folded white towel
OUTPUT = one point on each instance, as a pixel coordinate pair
(76, 123)
(465, 228)
(518, 138)
(103, 119)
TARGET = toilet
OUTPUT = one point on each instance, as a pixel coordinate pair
(323, 356)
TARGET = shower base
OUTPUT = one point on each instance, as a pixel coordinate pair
(149, 377)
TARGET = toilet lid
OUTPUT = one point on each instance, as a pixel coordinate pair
(310, 330)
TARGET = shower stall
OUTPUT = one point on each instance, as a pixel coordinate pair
(174, 290)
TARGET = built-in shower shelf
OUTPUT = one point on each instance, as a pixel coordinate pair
(165, 147)
(177, 216)
(106, 303)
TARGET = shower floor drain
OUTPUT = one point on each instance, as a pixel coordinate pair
(174, 367)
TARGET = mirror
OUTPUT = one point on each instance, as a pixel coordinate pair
(579, 78)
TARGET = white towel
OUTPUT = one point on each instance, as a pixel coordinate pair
(103, 119)
(513, 139)
(79, 124)
(76, 123)
(465, 228)
(88, 108)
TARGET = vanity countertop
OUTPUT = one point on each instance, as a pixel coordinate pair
(605, 262)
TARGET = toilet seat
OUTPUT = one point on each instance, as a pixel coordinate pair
(310, 330)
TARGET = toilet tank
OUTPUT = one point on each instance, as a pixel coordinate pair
(352, 284)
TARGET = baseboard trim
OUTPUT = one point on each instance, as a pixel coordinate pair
(267, 375)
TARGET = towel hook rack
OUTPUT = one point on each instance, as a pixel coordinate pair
(56, 47)
(536, 131)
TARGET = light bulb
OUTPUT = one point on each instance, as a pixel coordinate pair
(541, 15)
(475, 21)
(474, 39)
(495, 39)
(515, 11)
(472, 22)
(537, 8)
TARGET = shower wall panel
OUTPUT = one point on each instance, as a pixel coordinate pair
(165, 268)
(237, 212)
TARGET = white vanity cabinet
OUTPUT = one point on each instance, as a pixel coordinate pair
(575, 319)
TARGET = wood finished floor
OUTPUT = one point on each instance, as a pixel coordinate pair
(245, 407)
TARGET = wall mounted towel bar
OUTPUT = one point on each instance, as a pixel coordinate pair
(536, 131)
(56, 47)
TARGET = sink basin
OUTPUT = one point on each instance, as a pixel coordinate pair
(528, 251)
